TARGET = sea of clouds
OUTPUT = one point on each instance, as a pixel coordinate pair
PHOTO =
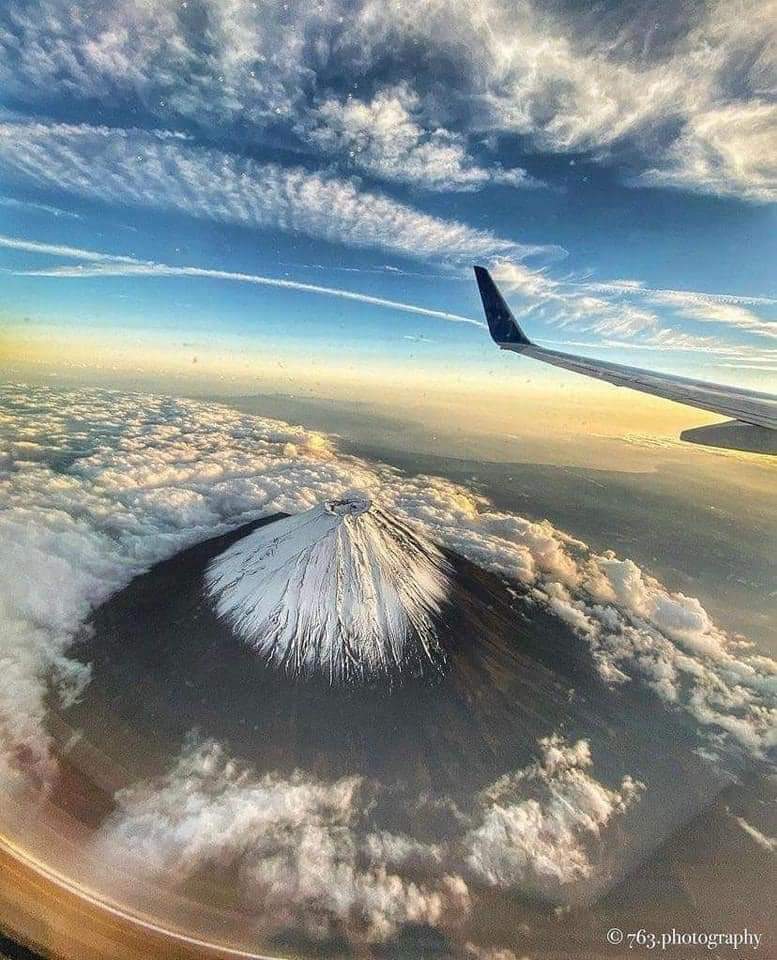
(97, 485)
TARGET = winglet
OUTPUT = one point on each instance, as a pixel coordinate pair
(501, 322)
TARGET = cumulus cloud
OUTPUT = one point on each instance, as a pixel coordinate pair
(386, 138)
(539, 824)
(86, 530)
(162, 170)
(303, 848)
(636, 628)
(310, 853)
(96, 486)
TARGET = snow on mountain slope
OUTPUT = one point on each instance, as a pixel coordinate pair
(343, 589)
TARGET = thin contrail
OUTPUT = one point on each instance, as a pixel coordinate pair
(61, 250)
(109, 265)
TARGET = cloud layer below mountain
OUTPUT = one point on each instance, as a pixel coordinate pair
(96, 486)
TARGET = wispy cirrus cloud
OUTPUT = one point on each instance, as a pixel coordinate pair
(723, 314)
(15, 204)
(727, 150)
(165, 171)
(723, 309)
(556, 302)
(559, 303)
(214, 62)
(677, 96)
(627, 309)
(638, 288)
(63, 250)
(154, 474)
(687, 93)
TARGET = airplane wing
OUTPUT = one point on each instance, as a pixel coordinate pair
(747, 406)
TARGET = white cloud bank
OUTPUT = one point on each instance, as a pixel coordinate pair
(97, 486)
(538, 825)
(303, 850)
(309, 854)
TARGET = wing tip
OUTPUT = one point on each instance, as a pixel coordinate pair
(502, 324)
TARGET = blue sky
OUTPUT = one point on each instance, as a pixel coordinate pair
(160, 161)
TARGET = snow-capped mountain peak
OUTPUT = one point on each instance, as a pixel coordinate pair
(343, 589)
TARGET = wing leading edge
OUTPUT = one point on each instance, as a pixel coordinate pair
(749, 406)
